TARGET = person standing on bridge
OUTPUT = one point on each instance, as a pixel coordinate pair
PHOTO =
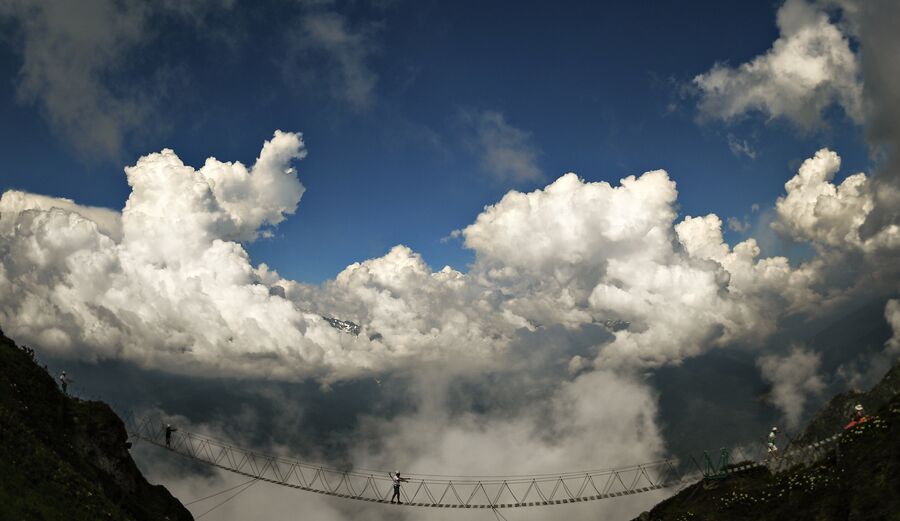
(395, 477)
(64, 382)
(169, 431)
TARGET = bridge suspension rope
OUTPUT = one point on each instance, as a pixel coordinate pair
(440, 491)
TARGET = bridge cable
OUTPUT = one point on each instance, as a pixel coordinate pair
(229, 498)
(219, 493)
(201, 449)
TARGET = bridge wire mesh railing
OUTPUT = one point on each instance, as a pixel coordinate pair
(490, 492)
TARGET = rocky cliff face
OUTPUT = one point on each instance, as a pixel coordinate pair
(858, 480)
(63, 458)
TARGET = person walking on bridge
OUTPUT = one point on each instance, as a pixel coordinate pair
(395, 477)
(169, 431)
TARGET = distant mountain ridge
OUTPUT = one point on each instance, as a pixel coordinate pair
(64, 458)
(344, 326)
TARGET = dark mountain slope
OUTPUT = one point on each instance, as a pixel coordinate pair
(859, 480)
(63, 458)
(834, 415)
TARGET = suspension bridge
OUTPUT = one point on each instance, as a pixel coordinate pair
(489, 492)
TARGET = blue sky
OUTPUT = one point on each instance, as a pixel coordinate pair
(601, 90)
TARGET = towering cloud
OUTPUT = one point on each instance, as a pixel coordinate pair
(831, 218)
(167, 287)
(167, 283)
(816, 210)
(577, 253)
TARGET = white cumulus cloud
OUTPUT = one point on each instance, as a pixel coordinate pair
(175, 291)
(817, 210)
(809, 68)
(167, 283)
(578, 252)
